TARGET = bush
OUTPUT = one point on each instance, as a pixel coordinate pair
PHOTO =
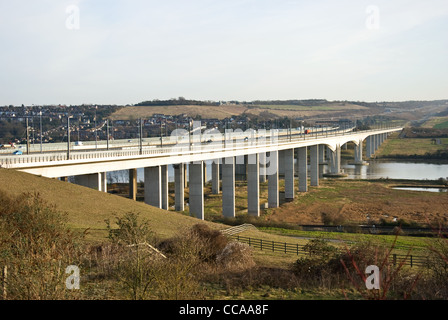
(130, 230)
(332, 217)
(236, 256)
(318, 266)
(35, 248)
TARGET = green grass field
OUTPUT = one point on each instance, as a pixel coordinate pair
(395, 146)
(436, 123)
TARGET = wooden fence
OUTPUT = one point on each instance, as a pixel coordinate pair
(298, 249)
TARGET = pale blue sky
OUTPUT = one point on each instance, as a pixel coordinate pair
(129, 51)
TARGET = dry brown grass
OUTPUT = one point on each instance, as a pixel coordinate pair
(225, 111)
(88, 209)
(218, 112)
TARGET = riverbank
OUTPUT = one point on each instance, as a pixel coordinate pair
(334, 202)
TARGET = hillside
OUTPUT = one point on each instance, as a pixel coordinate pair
(88, 209)
(227, 111)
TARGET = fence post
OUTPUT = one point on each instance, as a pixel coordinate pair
(273, 249)
(285, 247)
(249, 241)
(297, 249)
(395, 259)
(4, 280)
(261, 244)
(411, 260)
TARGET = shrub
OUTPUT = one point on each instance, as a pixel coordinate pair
(35, 248)
(236, 256)
(317, 266)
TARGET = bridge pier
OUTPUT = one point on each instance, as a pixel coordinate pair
(375, 143)
(133, 184)
(228, 187)
(335, 162)
(95, 181)
(288, 162)
(281, 163)
(215, 176)
(314, 165)
(303, 169)
(153, 186)
(358, 153)
(369, 147)
(164, 187)
(262, 166)
(196, 184)
(273, 195)
(253, 185)
(179, 203)
(322, 159)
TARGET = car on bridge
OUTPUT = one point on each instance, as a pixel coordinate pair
(7, 146)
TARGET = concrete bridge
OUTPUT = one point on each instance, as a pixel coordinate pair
(263, 156)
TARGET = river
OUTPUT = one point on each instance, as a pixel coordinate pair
(396, 170)
(375, 170)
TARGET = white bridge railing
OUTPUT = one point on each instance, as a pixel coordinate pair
(184, 148)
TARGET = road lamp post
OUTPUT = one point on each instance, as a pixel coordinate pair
(68, 137)
(96, 132)
(40, 129)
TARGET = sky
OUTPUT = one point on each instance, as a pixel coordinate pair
(125, 52)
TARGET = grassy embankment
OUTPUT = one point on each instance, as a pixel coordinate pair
(227, 111)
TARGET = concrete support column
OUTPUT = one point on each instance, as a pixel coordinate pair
(153, 186)
(179, 203)
(314, 165)
(322, 159)
(241, 167)
(375, 143)
(228, 187)
(358, 153)
(328, 153)
(215, 177)
(103, 181)
(253, 186)
(164, 187)
(369, 147)
(196, 184)
(273, 196)
(288, 158)
(133, 184)
(281, 162)
(92, 181)
(303, 169)
(262, 166)
(335, 166)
